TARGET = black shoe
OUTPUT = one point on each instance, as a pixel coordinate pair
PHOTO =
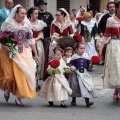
(6, 98)
(73, 104)
(63, 106)
(19, 104)
(89, 104)
(51, 103)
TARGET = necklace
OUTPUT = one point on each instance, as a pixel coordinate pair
(17, 20)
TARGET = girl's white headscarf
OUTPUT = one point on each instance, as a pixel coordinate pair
(78, 13)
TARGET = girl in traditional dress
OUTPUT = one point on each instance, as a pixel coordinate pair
(112, 60)
(68, 52)
(89, 31)
(56, 88)
(17, 75)
(81, 81)
(37, 27)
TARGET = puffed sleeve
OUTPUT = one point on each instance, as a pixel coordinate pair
(54, 33)
(30, 38)
(52, 29)
(107, 33)
(71, 31)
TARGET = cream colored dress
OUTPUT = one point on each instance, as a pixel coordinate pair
(112, 59)
(56, 88)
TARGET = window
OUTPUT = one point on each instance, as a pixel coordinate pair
(63, 4)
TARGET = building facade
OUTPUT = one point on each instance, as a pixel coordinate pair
(69, 5)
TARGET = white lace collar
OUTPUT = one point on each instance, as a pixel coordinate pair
(76, 56)
(62, 28)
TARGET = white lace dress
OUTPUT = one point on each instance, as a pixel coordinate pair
(38, 32)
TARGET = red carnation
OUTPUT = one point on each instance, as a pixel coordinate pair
(80, 19)
(4, 36)
(54, 63)
(78, 37)
(95, 60)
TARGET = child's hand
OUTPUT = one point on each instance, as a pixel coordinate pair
(73, 68)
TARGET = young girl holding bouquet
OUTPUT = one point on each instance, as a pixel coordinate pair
(80, 81)
(56, 87)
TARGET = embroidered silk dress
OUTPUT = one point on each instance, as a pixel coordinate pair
(112, 60)
(18, 74)
(81, 81)
(38, 31)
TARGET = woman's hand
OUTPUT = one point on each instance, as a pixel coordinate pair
(73, 68)
(7, 48)
(37, 59)
(35, 40)
(57, 38)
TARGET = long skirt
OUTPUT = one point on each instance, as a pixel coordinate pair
(52, 90)
(41, 55)
(12, 78)
(112, 65)
(90, 48)
(79, 89)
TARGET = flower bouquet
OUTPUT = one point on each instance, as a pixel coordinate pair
(77, 37)
(79, 19)
(6, 40)
(54, 67)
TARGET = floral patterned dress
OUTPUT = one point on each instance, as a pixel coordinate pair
(17, 74)
(112, 59)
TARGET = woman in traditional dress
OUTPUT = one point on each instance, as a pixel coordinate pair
(97, 16)
(74, 21)
(61, 27)
(37, 27)
(89, 31)
(81, 12)
(112, 60)
(98, 39)
(17, 75)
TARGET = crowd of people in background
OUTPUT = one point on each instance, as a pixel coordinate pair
(59, 50)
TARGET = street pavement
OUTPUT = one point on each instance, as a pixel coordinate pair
(38, 109)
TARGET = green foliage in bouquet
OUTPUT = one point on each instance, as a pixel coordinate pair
(67, 70)
(6, 40)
